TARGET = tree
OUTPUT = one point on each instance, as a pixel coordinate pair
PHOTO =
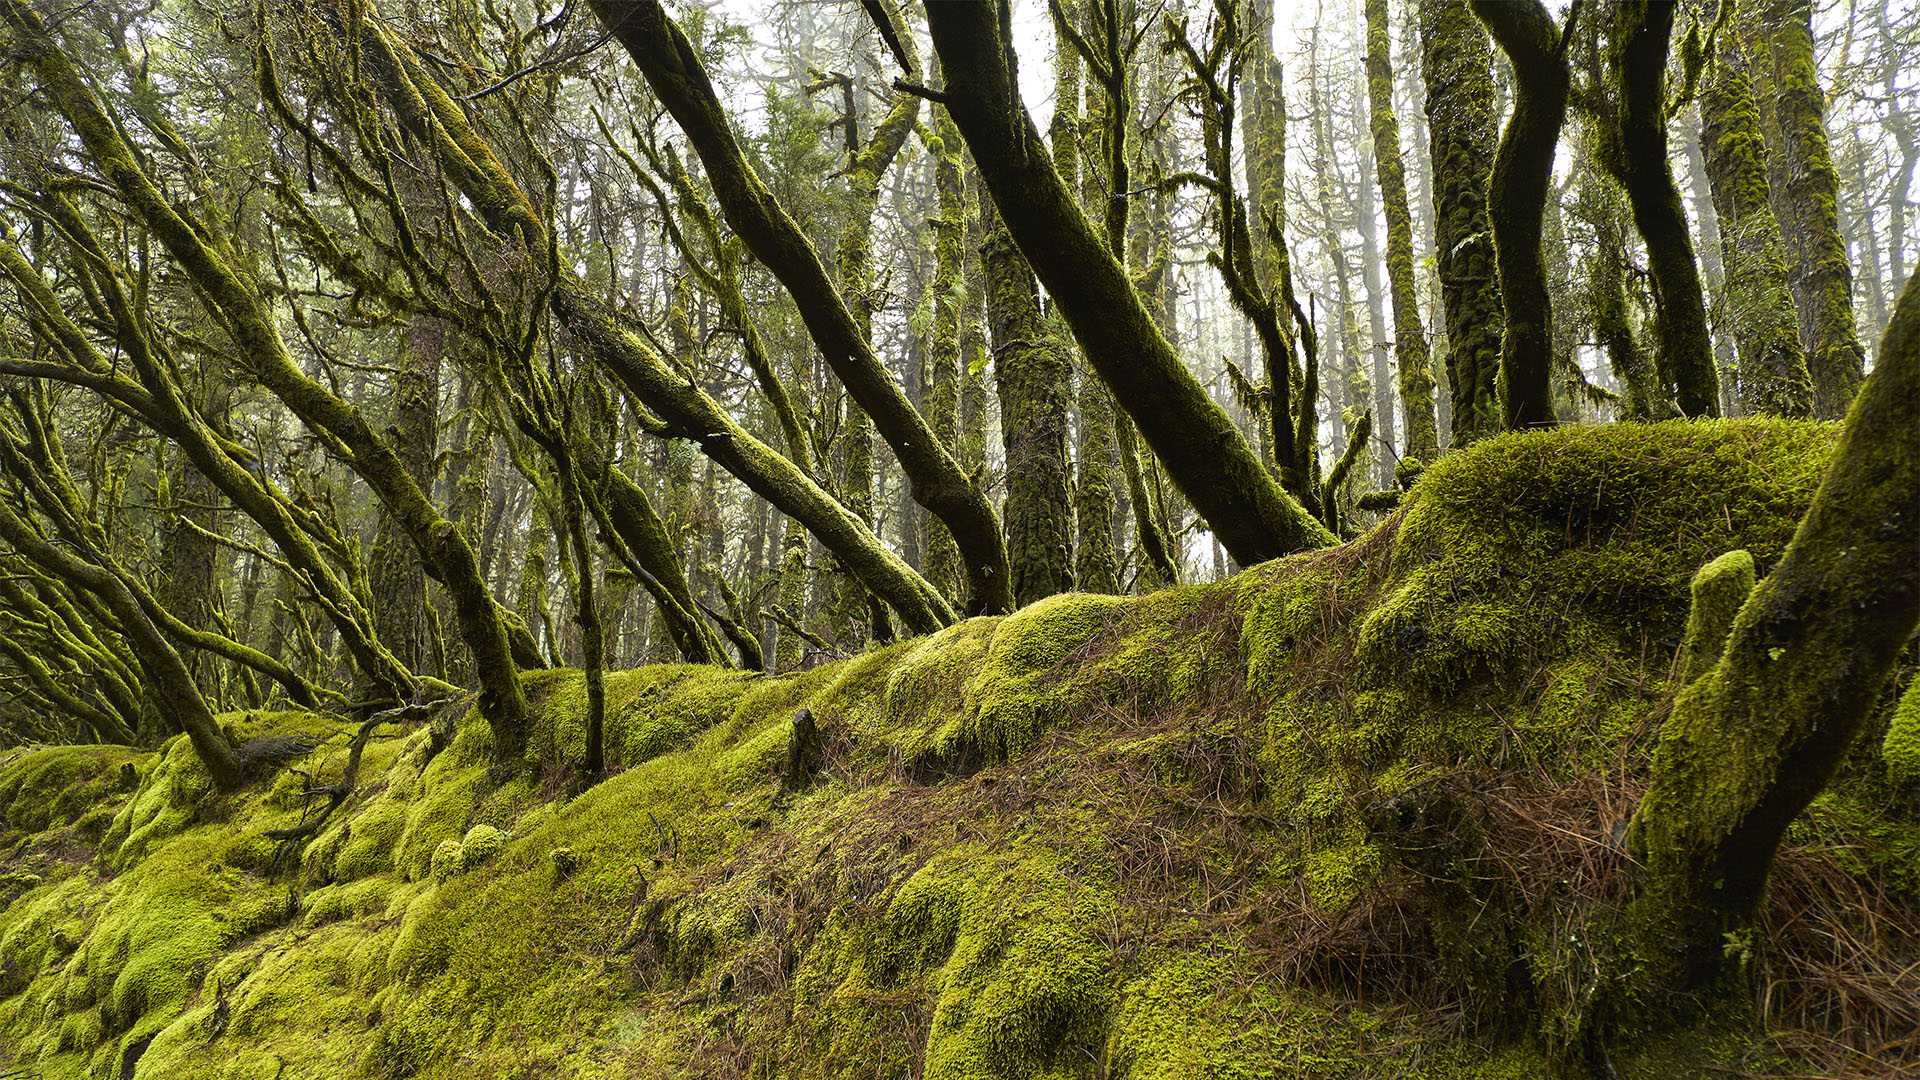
(1759, 733)
(1517, 199)
(1456, 65)
(1409, 336)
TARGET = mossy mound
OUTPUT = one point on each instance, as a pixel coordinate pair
(1350, 814)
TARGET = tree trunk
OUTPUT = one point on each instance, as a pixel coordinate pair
(1409, 336)
(674, 71)
(1752, 741)
(1773, 367)
(1190, 434)
(1641, 33)
(1779, 39)
(398, 583)
(1034, 376)
(1457, 63)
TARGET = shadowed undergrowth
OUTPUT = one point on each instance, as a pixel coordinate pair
(1353, 813)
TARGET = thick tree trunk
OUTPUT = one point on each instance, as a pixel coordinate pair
(1773, 367)
(1457, 63)
(398, 582)
(1779, 39)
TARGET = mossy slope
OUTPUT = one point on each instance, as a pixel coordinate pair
(1278, 826)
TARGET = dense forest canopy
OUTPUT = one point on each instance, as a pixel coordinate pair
(364, 357)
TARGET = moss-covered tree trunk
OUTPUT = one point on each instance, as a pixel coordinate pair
(1456, 66)
(1097, 484)
(1191, 435)
(941, 395)
(1753, 740)
(1517, 200)
(196, 245)
(1772, 375)
(1778, 35)
(1708, 242)
(604, 334)
(1600, 204)
(169, 683)
(1641, 34)
(1034, 376)
(398, 583)
(1409, 336)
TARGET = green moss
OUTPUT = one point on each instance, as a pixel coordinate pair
(1901, 749)
(1719, 589)
(1231, 830)
(481, 843)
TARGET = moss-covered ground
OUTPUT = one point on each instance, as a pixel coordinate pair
(1356, 813)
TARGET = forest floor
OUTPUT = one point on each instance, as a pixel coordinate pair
(1354, 813)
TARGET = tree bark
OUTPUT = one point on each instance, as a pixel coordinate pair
(1641, 34)
(1409, 336)
(1034, 376)
(1779, 39)
(1773, 367)
(1457, 63)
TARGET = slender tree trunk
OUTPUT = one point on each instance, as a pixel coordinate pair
(1710, 243)
(942, 394)
(1642, 30)
(1409, 336)
(1035, 380)
(1517, 199)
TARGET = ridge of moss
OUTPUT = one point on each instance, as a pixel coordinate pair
(1110, 836)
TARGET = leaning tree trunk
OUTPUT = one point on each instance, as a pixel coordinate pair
(1191, 435)
(1756, 737)
(677, 77)
(424, 109)
(171, 683)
